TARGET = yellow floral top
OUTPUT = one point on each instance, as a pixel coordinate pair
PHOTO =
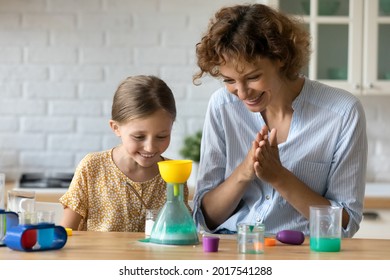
(100, 194)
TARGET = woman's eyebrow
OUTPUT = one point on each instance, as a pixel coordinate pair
(244, 74)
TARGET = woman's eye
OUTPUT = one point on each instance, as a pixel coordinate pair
(228, 81)
(253, 78)
(162, 137)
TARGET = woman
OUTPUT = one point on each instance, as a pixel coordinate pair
(274, 142)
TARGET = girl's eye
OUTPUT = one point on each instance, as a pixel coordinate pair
(141, 138)
(138, 138)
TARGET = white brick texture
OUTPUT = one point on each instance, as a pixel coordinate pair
(61, 61)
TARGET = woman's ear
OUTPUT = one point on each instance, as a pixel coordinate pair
(115, 128)
(280, 63)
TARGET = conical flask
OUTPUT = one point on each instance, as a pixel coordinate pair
(174, 224)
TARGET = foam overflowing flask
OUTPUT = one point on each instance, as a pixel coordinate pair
(174, 224)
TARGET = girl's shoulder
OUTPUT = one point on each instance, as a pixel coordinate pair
(103, 155)
(95, 168)
(94, 159)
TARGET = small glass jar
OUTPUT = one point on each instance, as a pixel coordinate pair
(250, 238)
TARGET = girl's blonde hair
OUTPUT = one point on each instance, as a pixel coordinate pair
(141, 96)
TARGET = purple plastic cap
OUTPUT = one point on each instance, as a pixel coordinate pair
(210, 243)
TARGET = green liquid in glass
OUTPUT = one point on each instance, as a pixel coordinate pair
(325, 244)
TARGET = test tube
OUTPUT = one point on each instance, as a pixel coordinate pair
(29, 238)
(45, 236)
(2, 206)
(2, 191)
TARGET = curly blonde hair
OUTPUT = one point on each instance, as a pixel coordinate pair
(246, 33)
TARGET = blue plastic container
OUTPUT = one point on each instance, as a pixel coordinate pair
(24, 237)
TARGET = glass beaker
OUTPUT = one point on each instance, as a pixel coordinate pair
(21, 201)
(325, 228)
(174, 224)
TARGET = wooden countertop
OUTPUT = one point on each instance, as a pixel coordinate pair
(126, 245)
(377, 202)
(377, 195)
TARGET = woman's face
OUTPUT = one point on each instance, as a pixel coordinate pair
(145, 139)
(257, 85)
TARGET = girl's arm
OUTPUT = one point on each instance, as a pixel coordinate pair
(71, 219)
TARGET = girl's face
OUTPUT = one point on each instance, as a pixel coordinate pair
(257, 85)
(145, 139)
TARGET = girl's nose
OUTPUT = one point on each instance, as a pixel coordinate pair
(149, 145)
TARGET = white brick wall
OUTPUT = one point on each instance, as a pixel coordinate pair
(378, 116)
(61, 61)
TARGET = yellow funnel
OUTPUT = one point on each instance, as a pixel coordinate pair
(174, 224)
(175, 171)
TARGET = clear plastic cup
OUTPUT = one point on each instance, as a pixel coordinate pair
(325, 228)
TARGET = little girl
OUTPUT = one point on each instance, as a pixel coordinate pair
(111, 189)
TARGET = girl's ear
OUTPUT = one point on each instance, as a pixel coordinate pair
(115, 128)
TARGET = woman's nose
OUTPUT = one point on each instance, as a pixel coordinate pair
(242, 91)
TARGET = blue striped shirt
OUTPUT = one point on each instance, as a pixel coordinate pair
(326, 148)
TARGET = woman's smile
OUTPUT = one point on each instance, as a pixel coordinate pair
(255, 100)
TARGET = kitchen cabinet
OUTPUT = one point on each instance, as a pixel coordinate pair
(350, 42)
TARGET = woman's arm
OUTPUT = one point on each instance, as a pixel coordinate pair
(220, 203)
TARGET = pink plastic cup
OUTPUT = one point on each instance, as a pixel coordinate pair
(210, 243)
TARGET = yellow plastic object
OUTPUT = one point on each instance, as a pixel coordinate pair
(175, 171)
(69, 231)
(174, 224)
